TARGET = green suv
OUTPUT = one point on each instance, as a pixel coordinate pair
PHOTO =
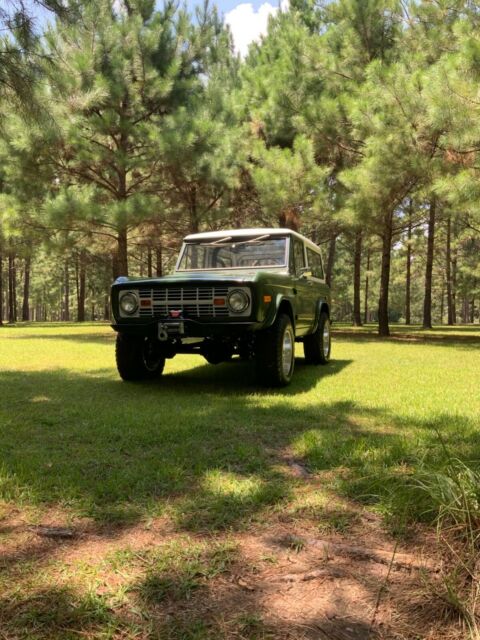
(247, 292)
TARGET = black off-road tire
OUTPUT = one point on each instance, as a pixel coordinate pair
(138, 358)
(270, 348)
(318, 345)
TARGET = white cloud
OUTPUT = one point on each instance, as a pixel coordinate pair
(248, 25)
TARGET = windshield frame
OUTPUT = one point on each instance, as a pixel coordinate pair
(259, 267)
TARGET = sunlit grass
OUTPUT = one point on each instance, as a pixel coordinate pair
(73, 433)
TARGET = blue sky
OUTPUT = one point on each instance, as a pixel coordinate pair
(247, 18)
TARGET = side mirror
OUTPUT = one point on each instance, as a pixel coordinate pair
(306, 272)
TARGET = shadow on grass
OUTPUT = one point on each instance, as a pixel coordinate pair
(238, 378)
(195, 442)
(203, 444)
(205, 614)
(52, 613)
(181, 590)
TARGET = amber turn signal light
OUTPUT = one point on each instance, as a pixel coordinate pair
(219, 302)
(267, 298)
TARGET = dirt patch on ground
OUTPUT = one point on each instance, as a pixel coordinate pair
(284, 580)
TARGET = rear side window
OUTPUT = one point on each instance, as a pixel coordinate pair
(297, 256)
(315, 264)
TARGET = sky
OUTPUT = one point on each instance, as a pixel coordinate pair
(247, 20)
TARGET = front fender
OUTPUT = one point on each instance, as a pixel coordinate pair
(279, 301)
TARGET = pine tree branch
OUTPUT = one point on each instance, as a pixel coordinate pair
(212, 203)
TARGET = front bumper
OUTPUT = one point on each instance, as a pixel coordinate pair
(189, 328)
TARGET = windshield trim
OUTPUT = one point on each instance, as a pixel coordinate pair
(272, 266)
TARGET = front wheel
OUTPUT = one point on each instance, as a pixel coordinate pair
(275, 353)
(138, 357)
(318, 345)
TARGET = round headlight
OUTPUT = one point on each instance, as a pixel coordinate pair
(129, 303)
(237, 300)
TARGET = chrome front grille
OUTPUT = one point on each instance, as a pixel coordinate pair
(194, 302)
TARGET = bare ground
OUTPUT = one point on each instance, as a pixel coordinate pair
(287, 580)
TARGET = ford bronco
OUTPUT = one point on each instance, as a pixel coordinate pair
(253, 293)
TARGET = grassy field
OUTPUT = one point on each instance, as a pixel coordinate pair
(203, 460)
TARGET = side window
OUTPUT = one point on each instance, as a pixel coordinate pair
(297, 256)
(315, 264)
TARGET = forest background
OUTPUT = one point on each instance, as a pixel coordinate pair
(125, 125)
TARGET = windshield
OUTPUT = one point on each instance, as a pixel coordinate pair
(238, 254)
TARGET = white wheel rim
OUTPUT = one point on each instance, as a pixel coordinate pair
(326, 338)
(287, 352)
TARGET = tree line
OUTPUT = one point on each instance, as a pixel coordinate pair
(125, 126)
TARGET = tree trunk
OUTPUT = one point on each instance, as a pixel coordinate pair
(1, 287)
(427, 300)
(408, 281)
(289, 219)
(330, 260)
(66, 304)
(12, 312)
(194, 222)
(357, 268)
(149, 262)
(158, 261)
(472, 311)
(365, 317)
(120, 265)
(442, 301)
(383, 325)
(454, 289)
(81, 287)
(14, 286)
(26, 291)
(106, 307)
(448, 272)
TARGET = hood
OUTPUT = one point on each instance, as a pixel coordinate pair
(236, 276)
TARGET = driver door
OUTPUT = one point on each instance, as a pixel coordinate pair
(302, 286)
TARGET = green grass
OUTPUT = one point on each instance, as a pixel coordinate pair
(177, 569)
(200, 443)
(204, 450)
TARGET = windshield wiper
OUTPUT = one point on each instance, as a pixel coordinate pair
(219, 241)
(254, 239)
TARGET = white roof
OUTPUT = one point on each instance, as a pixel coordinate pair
(236, 233)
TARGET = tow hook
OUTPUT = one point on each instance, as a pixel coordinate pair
(169, 330)
(162, 333)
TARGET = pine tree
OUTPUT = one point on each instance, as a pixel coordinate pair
(124, 70)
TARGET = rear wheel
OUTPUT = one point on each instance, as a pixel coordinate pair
(275, 353)
(317, 346)
(138, 357)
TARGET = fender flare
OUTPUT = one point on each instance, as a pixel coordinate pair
(281, 301)
(322, 305)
